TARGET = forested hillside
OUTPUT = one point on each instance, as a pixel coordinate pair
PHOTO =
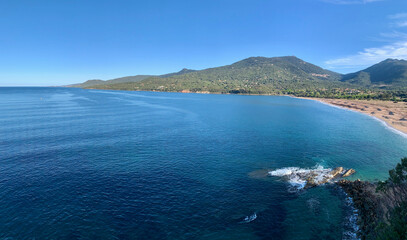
(278, 75)
(256, 75)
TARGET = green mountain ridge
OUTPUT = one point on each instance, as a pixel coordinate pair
(262, 75)
(183, 71)
(388, 72)
(136, 78)
(94, 82)
(254, 75)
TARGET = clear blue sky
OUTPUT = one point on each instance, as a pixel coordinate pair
(68, 41)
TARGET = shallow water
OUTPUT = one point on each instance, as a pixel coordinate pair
(140, 165)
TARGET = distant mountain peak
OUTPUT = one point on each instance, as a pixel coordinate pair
(392, 60)
(185, 70)
(291, 57)
(260, 59)
(387, 72)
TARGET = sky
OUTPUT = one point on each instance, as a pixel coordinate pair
(51, 43)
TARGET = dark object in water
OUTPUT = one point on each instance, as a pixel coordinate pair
(250, 218)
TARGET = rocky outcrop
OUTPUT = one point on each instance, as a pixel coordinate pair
(334, 173)
(314, 179)
(301, 178)
(348, 173)
(366, 203)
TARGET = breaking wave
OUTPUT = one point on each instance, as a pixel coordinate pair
(298, 177)
(351, 223)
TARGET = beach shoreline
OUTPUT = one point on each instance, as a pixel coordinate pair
(392, 115)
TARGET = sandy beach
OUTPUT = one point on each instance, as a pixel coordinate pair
(394, 114)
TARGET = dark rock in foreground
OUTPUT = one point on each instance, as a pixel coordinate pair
(373, 206)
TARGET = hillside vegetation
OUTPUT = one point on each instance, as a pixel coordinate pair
(95, 82)
(277, 75)
(256, 75)
(129, 79)
(390, 73)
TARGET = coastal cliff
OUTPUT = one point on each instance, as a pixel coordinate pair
(382, 206)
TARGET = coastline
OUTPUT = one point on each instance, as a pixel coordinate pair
(392, 115)
(185, 92)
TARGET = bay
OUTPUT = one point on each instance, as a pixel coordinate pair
(94, 164)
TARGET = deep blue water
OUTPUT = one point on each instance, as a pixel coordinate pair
(88, 164)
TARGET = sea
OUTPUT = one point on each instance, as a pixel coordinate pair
(100, 164)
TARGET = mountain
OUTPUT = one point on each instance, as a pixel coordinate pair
(86, 84)
(388, 73)
(256, 75)
(137, 78)
(94, 82)
(183, 71)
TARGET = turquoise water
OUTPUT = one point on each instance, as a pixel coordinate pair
(88, 164)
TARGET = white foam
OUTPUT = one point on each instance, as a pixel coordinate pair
(351, 223)
(284, 171)
(250, 218)
(297, 177)
(386, 125)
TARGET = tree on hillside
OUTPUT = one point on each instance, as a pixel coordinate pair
(396, 225)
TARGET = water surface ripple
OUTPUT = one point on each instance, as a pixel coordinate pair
(86, 164)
